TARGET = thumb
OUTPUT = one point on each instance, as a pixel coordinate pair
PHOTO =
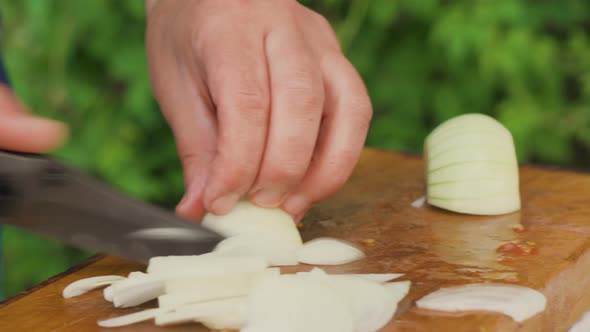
(20, 131)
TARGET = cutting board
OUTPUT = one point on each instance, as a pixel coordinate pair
(432, 247)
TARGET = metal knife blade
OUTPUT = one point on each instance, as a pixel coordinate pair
(43, 196)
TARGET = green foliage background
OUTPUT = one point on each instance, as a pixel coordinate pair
(525, 62)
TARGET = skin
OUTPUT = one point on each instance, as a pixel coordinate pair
(260, 98)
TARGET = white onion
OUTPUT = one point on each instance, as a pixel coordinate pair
(471, 166)
(278, 252)
(325, 251)
(85, 285)
(204, 265)
(518, 302)
(375, 277)
(419, 202)
(218, 315)
(133, 318)
(137, 292)
(108, 293)
(291, 303)
(582, 325)
(257, 231)
(372, 304)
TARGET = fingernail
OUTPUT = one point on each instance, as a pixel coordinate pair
(224, 204)
(296, 204)
(298, 218)
(183, 202)
(268, 198)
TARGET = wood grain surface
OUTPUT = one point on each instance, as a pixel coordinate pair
(433, 247)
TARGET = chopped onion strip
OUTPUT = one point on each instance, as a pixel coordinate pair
(138, 294)
(133, 318)
(108, 293)
(205, 265)
(85, 285)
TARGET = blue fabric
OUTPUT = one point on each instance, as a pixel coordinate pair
(3, 80)
(3, 75)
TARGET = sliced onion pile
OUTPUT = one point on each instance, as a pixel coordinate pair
(236, 287)
(471, 166)
(258, 301)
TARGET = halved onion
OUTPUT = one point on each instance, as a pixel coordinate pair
(85, 285)
(247, 218)
(518, 302)
(257, 231)
(471, 166)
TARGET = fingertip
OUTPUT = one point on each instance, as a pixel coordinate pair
(296, 205)
(34, 134)
(57, 133)
(190, 208)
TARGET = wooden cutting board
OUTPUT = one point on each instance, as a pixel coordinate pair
(433, 247)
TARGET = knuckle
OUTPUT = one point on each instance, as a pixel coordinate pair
(362, 112)
(251, 100)
(304, 88)
(285, 173)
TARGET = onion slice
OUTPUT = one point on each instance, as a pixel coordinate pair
(133, 318)
(218, 315)
(375, 277)
(418, 203)
(582, 325)
(372, 304)
(85, 285)
(518, 302)
(108, 293)
(212, 264)
(296, 303)
(276, 251)
(326, 251)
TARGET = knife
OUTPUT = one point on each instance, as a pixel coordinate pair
(44, 196)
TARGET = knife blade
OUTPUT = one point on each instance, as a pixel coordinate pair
(46, 197)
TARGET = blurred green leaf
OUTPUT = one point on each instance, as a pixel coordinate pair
(526, 63)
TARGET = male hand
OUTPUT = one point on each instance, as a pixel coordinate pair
(23, 132)
(261, 100)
